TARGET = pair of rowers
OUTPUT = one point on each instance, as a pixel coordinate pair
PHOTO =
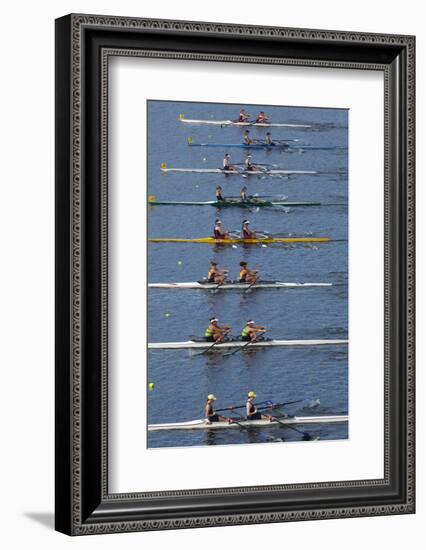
(243, 195)
(246, 233)
(221, 198)
(219, 276)
(249, 141)
(217, 333)
(252, 413)
(260, 118)
(227, 166)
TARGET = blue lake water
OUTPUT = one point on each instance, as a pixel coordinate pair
(182, 378)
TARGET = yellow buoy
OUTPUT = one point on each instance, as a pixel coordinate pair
(151, 386)
(151, 198)
(190, 141)
(181, 116)
(163, 165)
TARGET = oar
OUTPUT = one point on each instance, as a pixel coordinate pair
(250, 286)
(220, 284)
(256, 164)
(242, 347)
(233, 407)
(306, 436)
(268, 405)
(279, 405)
(213, 345)
(237, 350)
(248, 428)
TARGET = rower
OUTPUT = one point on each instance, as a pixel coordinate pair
(246, 232)
(227, 166)
(268, 139)
(248, 165)
(243, 194)
(247, 275)
(261, 117)
(209, 413)
(250, 331)
(218, 233)
(214, 332)
(243, 116)
(219, 196)
(251, 411)
(216, 275)
(246, 138)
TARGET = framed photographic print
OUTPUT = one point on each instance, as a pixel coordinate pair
(234, 274)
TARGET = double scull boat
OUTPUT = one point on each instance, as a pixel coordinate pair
(236, 172)
(285, 144)
(203, 344)
(234, 285)
(233, 202)
(266, 240)
(226, 123)
(203, 425)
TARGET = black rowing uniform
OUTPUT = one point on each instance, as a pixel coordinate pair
(219, 197)
(212, 417)
(253, 414)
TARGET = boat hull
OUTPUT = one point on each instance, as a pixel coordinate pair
(233, 286)
(202, 425)
(211, 240)
(244, 124)
(191, 344)
(234, 204)
(239, 172)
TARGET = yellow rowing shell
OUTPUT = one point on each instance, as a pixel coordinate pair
(211, 240)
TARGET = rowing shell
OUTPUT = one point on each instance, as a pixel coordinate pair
(272, 240)
(240, 343)
(203, 425)
(243, 145)
(240, 172)
(244, 124)
(235, 203)
(228, 286)
(276, 146)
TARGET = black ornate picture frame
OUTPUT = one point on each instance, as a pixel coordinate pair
(84, 43)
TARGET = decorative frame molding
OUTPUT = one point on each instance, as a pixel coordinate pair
(84, 44)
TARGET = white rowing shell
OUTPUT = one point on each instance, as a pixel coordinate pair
(233, 123)
(238, 344)
(202, 425)
(237, 172)
(241, 286)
